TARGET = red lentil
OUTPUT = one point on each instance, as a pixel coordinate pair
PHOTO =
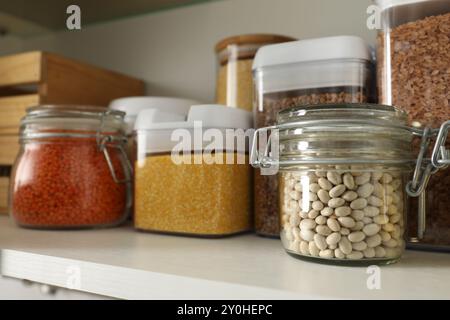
(66, 183)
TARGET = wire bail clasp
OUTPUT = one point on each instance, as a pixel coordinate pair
(102, 142)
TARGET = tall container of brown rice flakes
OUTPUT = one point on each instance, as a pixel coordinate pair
(413, 48)
(234, 87)
(323, 70)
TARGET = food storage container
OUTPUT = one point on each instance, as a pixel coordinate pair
(133, 105)
(413, 72)
(344, 172)
(192, 175)
(234, 86)
(72, 170)
(323, 70)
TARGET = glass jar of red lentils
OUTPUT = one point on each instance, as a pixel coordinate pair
(72, 170)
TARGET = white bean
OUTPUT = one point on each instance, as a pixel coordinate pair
(359, 246)
(357, 215)
(317, 205)
(323, 196)
(312, 214)
(365, 190)
(307, 235)
(307, 224)
(346, 222)
(320, 220)
(371, 229)
(326, 253)
(349, 182)
(337, 191)
(326, 212)
(313, 250)
(345, 245)
(325, 184)
(323, 230)
(385, 236)
(389, 227)
(320, 242)
(333, 238)
(294, 220)
(363, 178)
(342, 211)
(373, 241)
(355, 255)
(345, 231)
(314, 187)
(358, 204)
(371, 211)
(333, 224)
(304, 248)
(381, 219)
(336, 202)
(334, 177)
(350, 196)
(392, 243)
(356, 236)
(358, 226)
(375, 201)
(369, 253)
(339, 254)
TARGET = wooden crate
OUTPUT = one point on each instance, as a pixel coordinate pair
(4, 186)
(33, 78)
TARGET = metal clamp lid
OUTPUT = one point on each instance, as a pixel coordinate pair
(102, 142)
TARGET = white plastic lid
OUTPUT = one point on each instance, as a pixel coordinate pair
(329, 48)
(386, 4)
(211, 116)
(133, 105)
(157, 126)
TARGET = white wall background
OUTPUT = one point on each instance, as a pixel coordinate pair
(173, 50)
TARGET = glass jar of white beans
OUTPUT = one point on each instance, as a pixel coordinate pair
(344, 213)
(343, 171)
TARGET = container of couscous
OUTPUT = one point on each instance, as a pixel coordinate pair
(192, 174)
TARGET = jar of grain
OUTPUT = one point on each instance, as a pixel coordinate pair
(344, 172)
(235, 55)
(413, 48)
(192, 175)
(72, 170)
(323, 70)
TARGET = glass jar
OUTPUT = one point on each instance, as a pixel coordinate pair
(72, 170)
(324, 70)
(413, 70)
(343, 172)
(234, 87)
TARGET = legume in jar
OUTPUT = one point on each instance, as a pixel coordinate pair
(343, 213)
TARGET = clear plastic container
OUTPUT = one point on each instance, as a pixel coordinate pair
(344, 173)
(72, 170)
(184, 187)
(323, 70)
(234, 87)
(413, 72)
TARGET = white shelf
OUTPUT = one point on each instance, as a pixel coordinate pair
(123, 263)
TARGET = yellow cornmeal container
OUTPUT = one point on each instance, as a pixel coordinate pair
(183, 184)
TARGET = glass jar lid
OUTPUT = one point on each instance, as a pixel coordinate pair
(339, 134)
(344, 133)
(72, 118)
